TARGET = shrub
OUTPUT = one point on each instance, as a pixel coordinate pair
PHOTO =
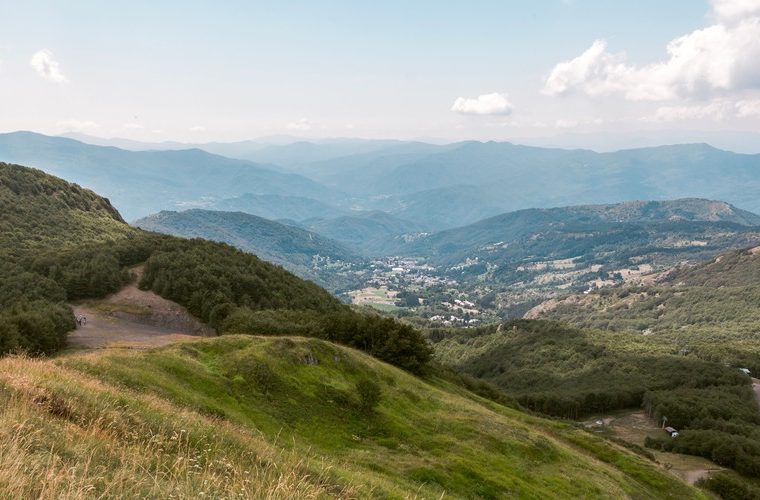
(369, 395)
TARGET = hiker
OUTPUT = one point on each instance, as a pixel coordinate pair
(81, 320)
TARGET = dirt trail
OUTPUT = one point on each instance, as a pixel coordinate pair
(133, 318)
(635, 426)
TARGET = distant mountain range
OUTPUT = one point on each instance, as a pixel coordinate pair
(144, 182)
(431, 185)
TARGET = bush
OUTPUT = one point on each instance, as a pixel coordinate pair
(369, 395)
(730, 487)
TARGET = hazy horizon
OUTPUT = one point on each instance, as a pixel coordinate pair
(566, 73)
(737, 142)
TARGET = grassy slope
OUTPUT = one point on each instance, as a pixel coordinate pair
(247, 415)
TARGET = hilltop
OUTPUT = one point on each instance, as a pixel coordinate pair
(40, 211)
(298, 418)
(572, 222)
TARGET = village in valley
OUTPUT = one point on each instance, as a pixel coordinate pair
(455, 296)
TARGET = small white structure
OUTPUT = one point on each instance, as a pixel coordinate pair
(671, 431)
(745, 371)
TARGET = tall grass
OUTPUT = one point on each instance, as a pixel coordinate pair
(65, 436)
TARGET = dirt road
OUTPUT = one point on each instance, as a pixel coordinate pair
(635, 426)
(133, 318)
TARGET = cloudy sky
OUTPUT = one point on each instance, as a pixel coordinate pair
(572, 72)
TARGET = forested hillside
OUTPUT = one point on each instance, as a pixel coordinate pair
(83, 250)
(39, 211)
(366, 232)
(296, 249)
(39, 214)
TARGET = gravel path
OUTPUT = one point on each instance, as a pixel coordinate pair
(134, 318)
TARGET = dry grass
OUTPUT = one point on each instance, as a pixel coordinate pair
(65, 436)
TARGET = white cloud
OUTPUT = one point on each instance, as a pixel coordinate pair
(729, 11)
(592, 72)
(748, 107)
(198, 128)
(717, 59)
(47, 67)
(486, 104)
(74, 125)
(133, 126)
(302, 124)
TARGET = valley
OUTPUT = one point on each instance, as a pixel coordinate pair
(495, 269)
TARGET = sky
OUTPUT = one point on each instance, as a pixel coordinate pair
(568, 71)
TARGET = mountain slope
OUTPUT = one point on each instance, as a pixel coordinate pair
(41, 215)
(456, 244)
(276, 207)
(711, 306)
(263, 416)
(706, 313)
(291, 247)
(143, 182)
(366, 232)
(571, 177)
